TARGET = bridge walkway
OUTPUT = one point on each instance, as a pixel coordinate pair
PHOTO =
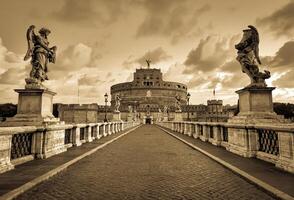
(146, 164)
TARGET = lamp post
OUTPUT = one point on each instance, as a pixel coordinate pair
(106, 100)
(188, 98)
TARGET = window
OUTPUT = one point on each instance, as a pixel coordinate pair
(148, 83)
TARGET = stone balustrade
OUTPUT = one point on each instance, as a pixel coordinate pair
(271, 143)
(22, 144)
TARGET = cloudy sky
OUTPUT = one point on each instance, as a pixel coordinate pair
(101, 42)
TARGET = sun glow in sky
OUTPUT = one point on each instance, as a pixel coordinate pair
(102, 42)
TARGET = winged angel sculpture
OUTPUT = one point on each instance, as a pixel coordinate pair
(248, 55)
(40, 54)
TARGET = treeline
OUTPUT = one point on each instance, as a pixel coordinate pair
(9, 110)
(286, 109)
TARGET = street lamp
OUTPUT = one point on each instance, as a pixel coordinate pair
(188, 98)
(106, 100)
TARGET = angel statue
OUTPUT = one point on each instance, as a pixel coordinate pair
(165, 108)
(130, 109)
(248, 57)
(117, 103)
(41, 54)
(178, 104)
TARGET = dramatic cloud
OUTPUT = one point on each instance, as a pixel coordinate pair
(231, 66)
(284, 56)
(72, 59)
(156, 55)
(89, 12)
(88, 80)
(211, 53)
(281, 21)
(13, 76)
(170, 18)
(12, 67)
(175, 73)
(286, 80)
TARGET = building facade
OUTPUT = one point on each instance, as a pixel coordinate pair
(148, 89)
(147, 98)
(148, 94)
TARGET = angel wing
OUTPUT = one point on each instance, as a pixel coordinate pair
(31, 40)
(256, 42)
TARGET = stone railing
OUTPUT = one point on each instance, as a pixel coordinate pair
(271, 143)
(21, 144)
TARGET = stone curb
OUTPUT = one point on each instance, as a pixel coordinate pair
(274, 191)
(14, 193)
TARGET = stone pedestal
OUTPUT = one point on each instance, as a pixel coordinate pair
(256, 106)
(34, 108)
(116, 116)
(178, 116)
(130, 117)
(165, 118)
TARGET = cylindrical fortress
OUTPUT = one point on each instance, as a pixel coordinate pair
(149, 91)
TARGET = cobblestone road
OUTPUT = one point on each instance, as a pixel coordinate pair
(146, 164)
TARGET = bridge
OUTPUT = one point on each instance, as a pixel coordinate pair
(128, 160)
(150, 148)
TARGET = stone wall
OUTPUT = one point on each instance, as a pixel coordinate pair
(25, 143)
(272, 143)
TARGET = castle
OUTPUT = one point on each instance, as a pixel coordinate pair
(147, 98)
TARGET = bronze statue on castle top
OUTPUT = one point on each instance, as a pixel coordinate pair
(148, 61)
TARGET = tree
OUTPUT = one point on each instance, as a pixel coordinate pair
(286, 109)
(8, 110)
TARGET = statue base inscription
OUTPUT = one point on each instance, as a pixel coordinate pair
(34, 107)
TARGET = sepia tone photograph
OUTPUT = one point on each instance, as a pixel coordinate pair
(146, 100)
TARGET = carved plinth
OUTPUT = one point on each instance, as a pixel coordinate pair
(165, 118)
(130, 117)
(116, 116)
(256, 106)
(178, 116)
(34, 107)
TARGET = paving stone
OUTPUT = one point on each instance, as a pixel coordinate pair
(146, 164)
